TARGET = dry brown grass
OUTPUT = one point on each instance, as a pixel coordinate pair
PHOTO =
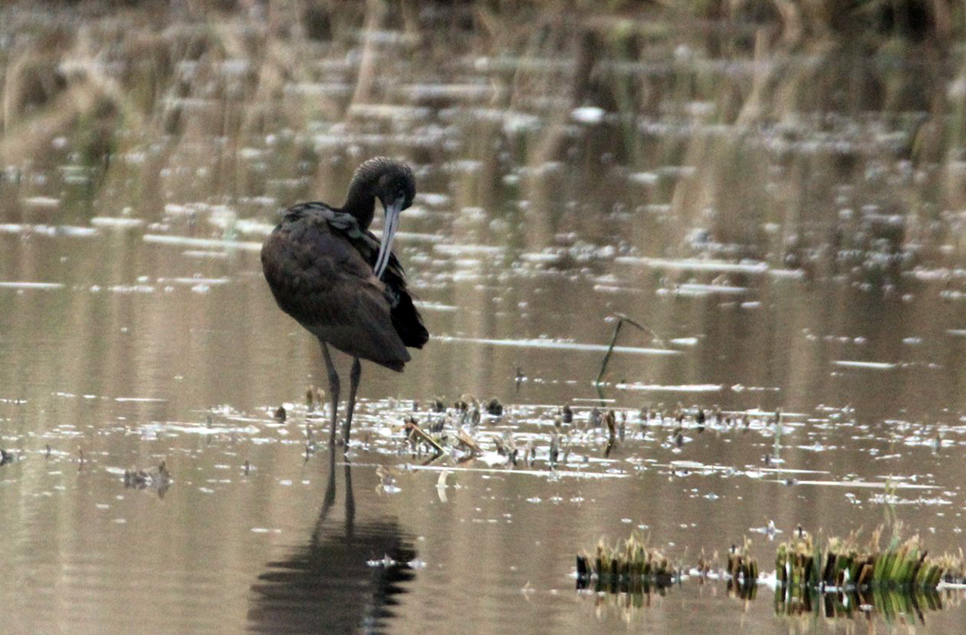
(751, 77)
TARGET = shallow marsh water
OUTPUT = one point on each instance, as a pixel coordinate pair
(787, 257)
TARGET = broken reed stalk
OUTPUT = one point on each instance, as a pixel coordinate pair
(628, 566)
(621, 318)
(465, 440)
(415, 434)
(842, 565)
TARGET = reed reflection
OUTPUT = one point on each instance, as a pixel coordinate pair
(891, 605)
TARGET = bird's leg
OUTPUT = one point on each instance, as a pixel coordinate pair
(354, 375)
(350, 504)
(333, 388)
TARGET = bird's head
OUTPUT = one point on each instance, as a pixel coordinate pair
(393, 184)
(395, 187)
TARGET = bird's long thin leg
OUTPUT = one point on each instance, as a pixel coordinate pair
(351, 406)
(333, 388)
(350, 504)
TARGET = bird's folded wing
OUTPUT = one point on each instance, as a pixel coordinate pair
(319, 279)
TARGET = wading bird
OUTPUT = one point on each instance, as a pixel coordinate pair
(345, 286)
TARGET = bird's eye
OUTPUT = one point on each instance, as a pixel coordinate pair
(401, 193)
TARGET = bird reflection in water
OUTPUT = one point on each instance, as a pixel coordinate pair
(329, 585)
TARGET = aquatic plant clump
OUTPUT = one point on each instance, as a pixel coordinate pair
(742, 568)
(844, 565)
(628, 566)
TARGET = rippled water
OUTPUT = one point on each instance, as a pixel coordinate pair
(797, 260)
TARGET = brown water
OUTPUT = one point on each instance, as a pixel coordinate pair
(793, 243)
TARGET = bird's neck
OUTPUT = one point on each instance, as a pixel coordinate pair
(360, 203)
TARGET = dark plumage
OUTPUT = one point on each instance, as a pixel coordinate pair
(323, 266)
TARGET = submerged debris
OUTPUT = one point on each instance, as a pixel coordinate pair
(159, 479)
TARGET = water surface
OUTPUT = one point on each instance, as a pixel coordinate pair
(794, 250)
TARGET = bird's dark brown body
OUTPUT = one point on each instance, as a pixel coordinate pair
(322, 276)
(319, 263)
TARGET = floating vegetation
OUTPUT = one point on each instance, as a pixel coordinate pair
(159, 480)
(630, 566)
(843, 564)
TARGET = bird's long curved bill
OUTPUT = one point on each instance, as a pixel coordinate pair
(388, 232)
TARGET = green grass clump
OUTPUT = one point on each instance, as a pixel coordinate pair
(843, 564)
(742, 568)
(628, 566)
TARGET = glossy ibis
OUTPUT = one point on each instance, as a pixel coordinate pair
(345, 286)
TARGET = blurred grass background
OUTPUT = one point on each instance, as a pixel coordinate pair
(740, 115)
